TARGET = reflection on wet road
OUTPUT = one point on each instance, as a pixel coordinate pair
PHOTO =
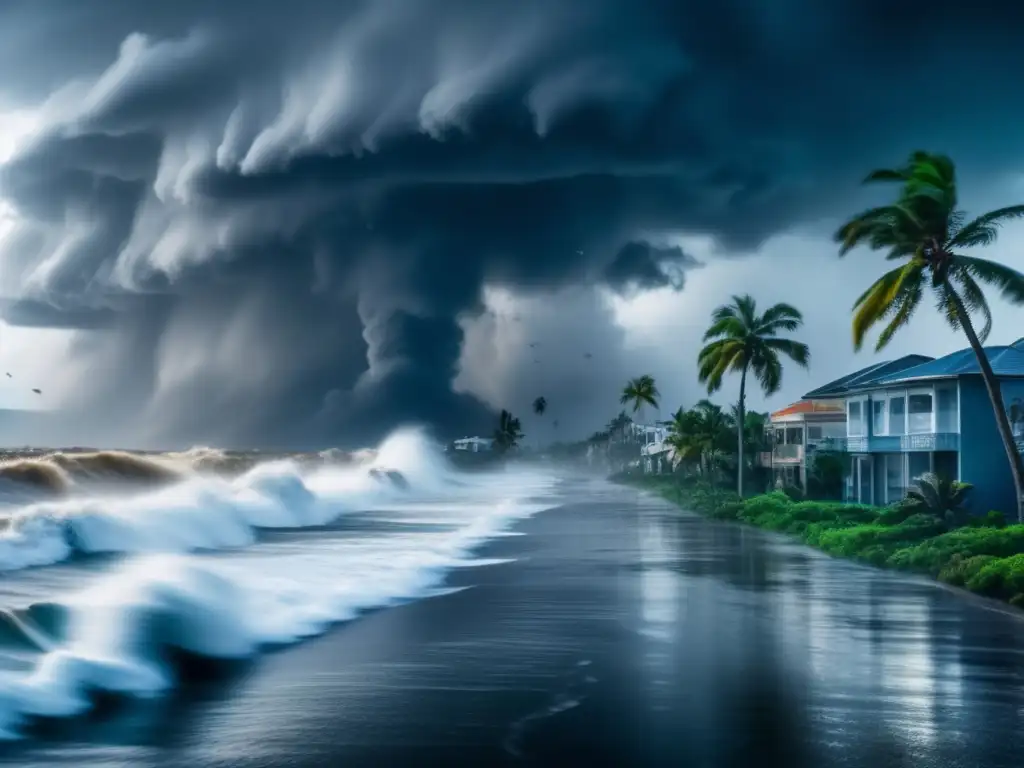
(872, 668)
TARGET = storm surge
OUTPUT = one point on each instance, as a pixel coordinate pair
(365, 535)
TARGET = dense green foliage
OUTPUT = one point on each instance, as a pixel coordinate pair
(985, 556)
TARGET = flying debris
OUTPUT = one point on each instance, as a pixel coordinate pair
(587, 355)
(534, 344)
(9, 376)
(38, 391)
(579, 253)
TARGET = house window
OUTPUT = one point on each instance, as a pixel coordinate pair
(918, 463)
(854, 422)
(894, 485)
(814, 433)
(897, 415)
(946, 416)
(794, 435)
(919, 413)
(878, 417)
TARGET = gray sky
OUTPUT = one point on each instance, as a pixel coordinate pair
(301, 224)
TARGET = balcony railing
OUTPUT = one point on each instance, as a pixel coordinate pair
(788, 452)
(934, 441)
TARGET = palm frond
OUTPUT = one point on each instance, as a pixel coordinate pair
(796, 351)
(1009, 281)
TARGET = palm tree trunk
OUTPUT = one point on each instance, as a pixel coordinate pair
(996, 396)
(740, 430)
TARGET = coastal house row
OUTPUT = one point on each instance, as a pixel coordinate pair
(899, 419)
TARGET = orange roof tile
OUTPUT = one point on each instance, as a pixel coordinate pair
(810, 406)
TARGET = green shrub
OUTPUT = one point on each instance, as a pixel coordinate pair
(992, 519)
(793, 492)
(932, 556)
(959, 570)
(1002, 578)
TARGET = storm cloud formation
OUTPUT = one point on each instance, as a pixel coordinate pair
(268, 218)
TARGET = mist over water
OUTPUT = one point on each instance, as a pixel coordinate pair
(215, 565)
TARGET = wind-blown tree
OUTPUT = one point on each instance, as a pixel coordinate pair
(619, 425)
(539, 406)
(924, 229)
(742, 341)
(702, 435)
(508, 433)
(640, 392)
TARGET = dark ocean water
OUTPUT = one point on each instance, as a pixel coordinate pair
(615, 631)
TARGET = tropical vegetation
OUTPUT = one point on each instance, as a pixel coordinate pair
(742, 341)
(640, 392)
(925, 230)
(508, 433)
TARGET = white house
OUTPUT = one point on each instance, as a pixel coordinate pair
(474, 444)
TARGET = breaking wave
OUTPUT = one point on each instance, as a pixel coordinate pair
(137, 628)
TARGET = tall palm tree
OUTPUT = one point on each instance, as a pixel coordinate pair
(508, 433)
(926, 231)
(640, 392)
(743, 341)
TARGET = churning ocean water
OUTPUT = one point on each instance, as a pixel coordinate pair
(117, 569)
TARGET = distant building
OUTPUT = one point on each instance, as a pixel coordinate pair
(796, 432)
(473, 444)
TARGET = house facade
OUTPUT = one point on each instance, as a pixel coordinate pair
(796, 432)
(915, 415)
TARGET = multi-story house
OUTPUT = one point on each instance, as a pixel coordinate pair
(796, 432)
(917, 414)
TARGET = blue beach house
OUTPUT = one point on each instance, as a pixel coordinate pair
(918, 414)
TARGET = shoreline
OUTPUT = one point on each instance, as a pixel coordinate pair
(982, 561)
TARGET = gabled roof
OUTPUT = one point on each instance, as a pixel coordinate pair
(866, 377)
(1006, 362)
(810, 406)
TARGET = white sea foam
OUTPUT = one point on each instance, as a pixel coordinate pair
(121, 633)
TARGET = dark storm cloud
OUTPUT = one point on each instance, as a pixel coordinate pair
(302, 198)
(642, 266)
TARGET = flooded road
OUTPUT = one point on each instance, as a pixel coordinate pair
(614, 630)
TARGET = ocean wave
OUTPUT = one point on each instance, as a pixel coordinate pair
(198, 513)
(134, 630)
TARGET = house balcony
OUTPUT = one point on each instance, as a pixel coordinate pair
(933, 441)
(787, 454)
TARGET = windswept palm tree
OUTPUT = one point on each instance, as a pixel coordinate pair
(926, 231)
(742, 341)
(508, 433)
(619, 426)
(640, 392)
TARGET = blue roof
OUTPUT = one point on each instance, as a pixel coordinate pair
(1006, 362)
(866, 377)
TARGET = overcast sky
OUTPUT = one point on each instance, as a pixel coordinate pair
(301, 224)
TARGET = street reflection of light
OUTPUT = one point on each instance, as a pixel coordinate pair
(908, 670)
(659, 605)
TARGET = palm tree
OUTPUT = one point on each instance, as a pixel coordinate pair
(539, 406)
(619, 425)
(508, 433)
(940, 497)
(743, 341)
(925, 230)
(640, 392)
